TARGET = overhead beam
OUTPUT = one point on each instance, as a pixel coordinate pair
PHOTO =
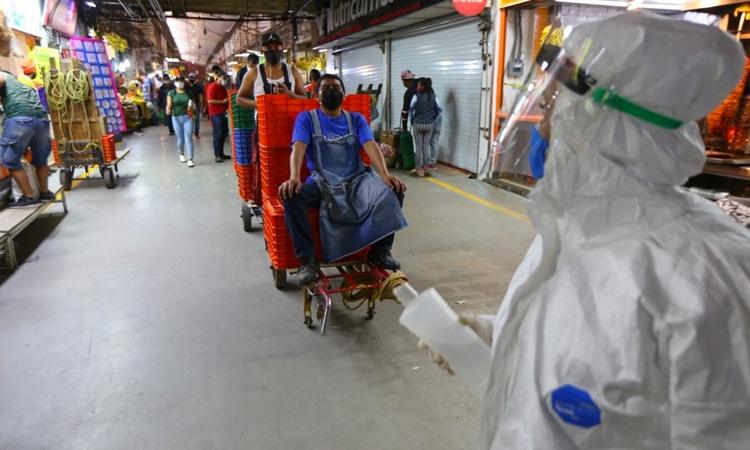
(223, 40)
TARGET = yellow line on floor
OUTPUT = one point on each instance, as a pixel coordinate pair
(479, 200)
(77, 180)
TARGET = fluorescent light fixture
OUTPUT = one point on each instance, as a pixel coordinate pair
(323, 50)
(625, 4)
(232, 63)
(242, 55)
(172, 60)
(91, 4)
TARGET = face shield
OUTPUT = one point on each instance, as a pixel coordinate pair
(517, 156)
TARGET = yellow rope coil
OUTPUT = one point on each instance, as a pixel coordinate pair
(382, 292)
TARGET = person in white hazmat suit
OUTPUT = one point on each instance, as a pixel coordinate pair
(627, 325)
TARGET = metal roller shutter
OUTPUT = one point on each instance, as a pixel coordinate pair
(452, 57)
(364, 66)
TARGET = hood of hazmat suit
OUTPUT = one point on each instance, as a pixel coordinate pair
(627, 325)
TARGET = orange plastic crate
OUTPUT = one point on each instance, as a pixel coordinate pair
(245, 180)
(108, 147)
(58, 161)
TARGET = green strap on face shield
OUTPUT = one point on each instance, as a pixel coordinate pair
(609, 98)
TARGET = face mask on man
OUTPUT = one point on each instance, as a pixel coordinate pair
(273, 57)
(331, 98)
(179, 84)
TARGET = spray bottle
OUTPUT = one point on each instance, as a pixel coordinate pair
(428, 316)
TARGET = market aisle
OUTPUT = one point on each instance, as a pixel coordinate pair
(150, 320)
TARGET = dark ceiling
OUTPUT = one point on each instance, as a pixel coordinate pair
(137, 19)
(248, 9)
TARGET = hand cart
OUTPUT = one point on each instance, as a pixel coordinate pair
(109, 170)
(357, 281)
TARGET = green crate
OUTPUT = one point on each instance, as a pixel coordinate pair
(242, 118)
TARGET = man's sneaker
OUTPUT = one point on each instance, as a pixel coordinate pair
(432, 167)
(190, 163)
(219, 159)
(384, 259)
(48, 196)
(308, 270)
(197, 136)
(226, 157)
(182, 157)
(23, 201)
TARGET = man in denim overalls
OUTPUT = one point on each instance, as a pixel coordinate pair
(359, 208)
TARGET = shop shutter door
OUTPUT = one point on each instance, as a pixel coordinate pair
(363, 66)
(452, 58)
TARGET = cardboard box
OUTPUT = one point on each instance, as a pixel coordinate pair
(390, 137)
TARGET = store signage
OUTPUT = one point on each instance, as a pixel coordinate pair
(24, 17)
(345, 17)
(470, 7)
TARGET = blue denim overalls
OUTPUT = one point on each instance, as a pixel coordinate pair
(357, 208)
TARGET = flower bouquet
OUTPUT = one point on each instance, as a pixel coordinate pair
(389, 154)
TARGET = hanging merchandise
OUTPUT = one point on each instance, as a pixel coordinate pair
(93, 53)
(8, 43)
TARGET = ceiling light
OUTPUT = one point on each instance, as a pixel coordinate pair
(91, 4)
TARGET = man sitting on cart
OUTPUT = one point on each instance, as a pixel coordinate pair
(358, 208)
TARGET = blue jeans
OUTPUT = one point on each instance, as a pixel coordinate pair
(221, 131)
(434, 140)
(295, 216)
(20, 133)
(183, 128)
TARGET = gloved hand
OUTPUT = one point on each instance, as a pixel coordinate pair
(482, 326)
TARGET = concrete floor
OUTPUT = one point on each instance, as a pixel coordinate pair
(147, 318)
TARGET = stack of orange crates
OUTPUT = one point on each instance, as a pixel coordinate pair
(241, 137)
(276, 116)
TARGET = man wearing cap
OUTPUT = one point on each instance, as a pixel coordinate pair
(218, 103)
(26, 125)
(29, 73)
(196, 90)
(271, 77)
(410, 83)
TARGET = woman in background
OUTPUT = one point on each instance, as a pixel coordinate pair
(424, 110)
(180, 105)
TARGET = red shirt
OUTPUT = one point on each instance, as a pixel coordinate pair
(215, 91)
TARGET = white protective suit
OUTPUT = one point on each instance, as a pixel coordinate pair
(634, 292)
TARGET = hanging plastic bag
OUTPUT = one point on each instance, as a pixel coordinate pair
(9, 45)
(33, 181)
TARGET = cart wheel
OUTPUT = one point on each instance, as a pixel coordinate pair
(370, 313)
(109, 178)
(309, 322)
(247, 217)
(66, 178)
(279, 278)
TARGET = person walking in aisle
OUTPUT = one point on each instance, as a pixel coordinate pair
(410, 83)
(435, 142)
(311, 89)
(196, 91)
(218, 103)
(180, 105)
(163, 93)
(424, 110)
